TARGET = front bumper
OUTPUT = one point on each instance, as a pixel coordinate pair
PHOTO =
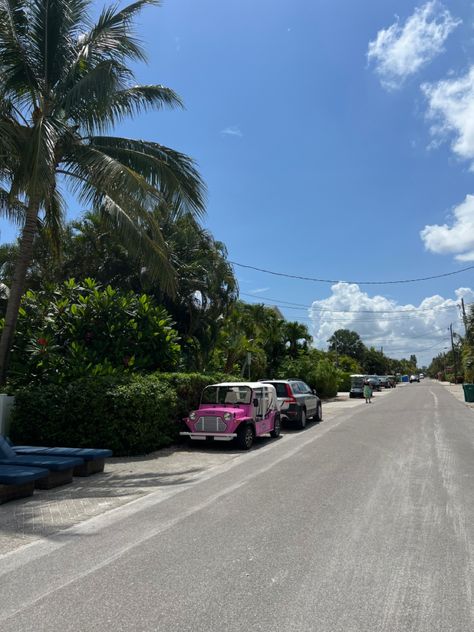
(217, 436)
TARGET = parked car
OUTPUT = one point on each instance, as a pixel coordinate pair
(383, 380)
(374, 381)
(297, 401)
(414, 378)
(235, 410)
(422, 376)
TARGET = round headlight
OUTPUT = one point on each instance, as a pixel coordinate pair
(192, 416)
(227, 416)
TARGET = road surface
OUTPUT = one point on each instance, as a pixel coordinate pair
(362, 523)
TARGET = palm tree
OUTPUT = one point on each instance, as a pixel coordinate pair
(63, 84)
(297, 337)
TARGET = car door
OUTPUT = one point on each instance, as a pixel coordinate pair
(261, 420)
(311, 401)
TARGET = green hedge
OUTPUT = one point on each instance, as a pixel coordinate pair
(131, 414)
(188, 387)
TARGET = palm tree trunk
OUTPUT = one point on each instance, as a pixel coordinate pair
(18, 286)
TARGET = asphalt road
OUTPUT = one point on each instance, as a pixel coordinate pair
(363, 523)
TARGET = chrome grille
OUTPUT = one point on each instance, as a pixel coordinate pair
(210, 424)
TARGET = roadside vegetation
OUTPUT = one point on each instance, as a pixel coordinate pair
(457, 364)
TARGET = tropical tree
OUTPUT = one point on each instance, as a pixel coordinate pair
(63, 85)
(297, 337)
(347, 342)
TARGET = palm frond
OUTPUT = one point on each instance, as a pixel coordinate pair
(150, 251)
(174, 174)
(103, 113)
(37, 171)
(84, 96)
(111, 35)
(52, 34)
(16, 59)
(108, 175)
(12, 208)
(53, 222)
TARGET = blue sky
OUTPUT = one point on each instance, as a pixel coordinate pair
(324, 161)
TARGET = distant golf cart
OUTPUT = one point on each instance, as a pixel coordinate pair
(357, 385)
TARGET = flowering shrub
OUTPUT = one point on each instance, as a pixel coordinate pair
(78, 330)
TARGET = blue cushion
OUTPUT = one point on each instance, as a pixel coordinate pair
(18, 474)
(6, 451)
(88, 454)
(53, 463)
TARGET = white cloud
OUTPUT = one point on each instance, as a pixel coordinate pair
(382, 322)
(401, 50)
(451, 107)
(233, 130)
(456, 239)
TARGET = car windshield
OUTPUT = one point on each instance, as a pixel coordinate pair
(230, 395)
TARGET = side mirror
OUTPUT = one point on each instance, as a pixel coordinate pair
(255, 402)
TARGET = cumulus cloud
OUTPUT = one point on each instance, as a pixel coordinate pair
(382, 322)
(233, 130)
(401, 50)
(456, 239)
(451, 107)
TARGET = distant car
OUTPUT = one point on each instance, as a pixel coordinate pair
(384, 382)
(374, 381)
(414, 378)
(297, 401)
(422, 376)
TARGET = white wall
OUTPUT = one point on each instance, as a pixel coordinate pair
(6, 404)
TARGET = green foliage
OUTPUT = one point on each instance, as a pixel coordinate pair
(189, 386)
(468, 363)
(314, 369)
(131, 414)
(259, 330)
(348, 343)
(79, 330)
(325, 379)
(376, 363)
(344, 380)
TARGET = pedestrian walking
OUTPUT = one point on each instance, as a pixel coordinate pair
(367, 392)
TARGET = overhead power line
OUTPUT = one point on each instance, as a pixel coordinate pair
(316, 280)
(286, 304)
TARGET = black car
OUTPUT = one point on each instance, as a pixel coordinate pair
(298, 402)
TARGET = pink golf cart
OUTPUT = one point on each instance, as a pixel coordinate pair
(235, 410)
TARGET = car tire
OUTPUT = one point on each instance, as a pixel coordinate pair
(245, 436)
(301, 424)
(319, 413)
(276, 432)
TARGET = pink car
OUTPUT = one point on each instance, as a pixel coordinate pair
(235, 410)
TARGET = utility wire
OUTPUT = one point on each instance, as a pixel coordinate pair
(340, 318)
(315, 280)
(285, 304)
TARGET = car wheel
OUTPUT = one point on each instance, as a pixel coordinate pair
(302, 419)
(275, 433)
(245, 436)
(319, 413)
